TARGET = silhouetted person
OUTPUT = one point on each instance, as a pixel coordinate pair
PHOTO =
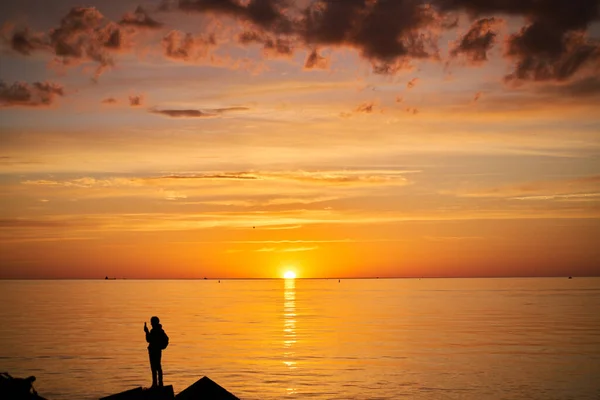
(157, 341)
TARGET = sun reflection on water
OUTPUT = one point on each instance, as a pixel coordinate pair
(289, 323)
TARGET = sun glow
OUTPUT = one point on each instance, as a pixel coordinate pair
(289, 275)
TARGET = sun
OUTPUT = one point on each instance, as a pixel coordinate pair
(289, 275)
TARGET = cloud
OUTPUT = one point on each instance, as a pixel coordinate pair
(272, 45)
(365, 108)
(187, 47)
(286, 250)
(182, 113)
(412, 83)
(82, 35)
(136, 100)
(563, 197)
(266, 250)
(553, 46)
(193, 113)
(382, 31)
(109, 100)
(387, 33)
(315, 177)
(584, 87)
(25, 41)
(329, 178)
(562, 188)
(29, 223)
(210, 176)
(477, 41)
(140, 19)
(25, 95)
(267, 14)
(85, 35)
(316, 61)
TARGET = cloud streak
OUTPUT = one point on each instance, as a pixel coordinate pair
(194, 113)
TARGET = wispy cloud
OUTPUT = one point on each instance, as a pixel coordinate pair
(332, 177)
(551, 189)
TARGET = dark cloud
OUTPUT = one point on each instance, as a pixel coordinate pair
(553, 46)
(182, 113)
(385, 32)
(382, 31)
(585, 87)
(25, 95)
(192, 113)
(477, 41)
(140, 19)
(110, 100)
(315, 60)
(267, 14)
(25, 41)
(186, 47)
(543, 55)
(82, 35)
(412, 83)
(136, 101)
(477, 96)
(272, 45)
(167, 5)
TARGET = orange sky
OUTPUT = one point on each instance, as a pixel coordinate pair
(184, 139)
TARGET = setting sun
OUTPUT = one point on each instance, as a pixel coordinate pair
(289, 275)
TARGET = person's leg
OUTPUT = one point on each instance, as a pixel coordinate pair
(159, 367)
(153, 367)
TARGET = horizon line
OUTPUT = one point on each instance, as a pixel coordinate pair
(297, 278)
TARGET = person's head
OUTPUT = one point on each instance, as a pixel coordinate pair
(154, 321)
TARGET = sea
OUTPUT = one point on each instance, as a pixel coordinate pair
(471, 339)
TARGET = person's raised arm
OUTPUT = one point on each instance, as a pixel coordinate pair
(147, 333)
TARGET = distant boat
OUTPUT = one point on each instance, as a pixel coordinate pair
(570, 277)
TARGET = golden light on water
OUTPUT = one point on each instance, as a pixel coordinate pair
(289, 275)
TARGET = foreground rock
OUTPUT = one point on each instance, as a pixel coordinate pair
(203, 389)
(158, 393)
(17, 388)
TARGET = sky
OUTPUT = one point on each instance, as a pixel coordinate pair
(346, 138)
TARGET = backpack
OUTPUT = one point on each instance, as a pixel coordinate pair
(164, 341)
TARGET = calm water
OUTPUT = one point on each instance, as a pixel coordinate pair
(319, 339)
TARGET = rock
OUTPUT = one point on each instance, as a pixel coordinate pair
(205, 389)
(156, 393)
